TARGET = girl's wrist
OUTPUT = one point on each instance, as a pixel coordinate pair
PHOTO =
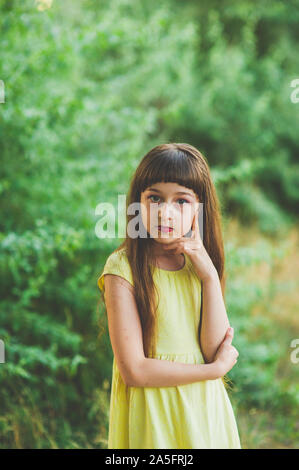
(213, 371)
(216, 370)
(211, 276)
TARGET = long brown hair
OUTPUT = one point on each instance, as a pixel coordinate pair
(185, 165)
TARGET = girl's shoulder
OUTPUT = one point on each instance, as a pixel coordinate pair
(119, 254)
(117, 263)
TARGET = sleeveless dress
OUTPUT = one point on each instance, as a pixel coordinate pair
(198, 415)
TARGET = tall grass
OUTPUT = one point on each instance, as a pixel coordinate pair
(262, 304)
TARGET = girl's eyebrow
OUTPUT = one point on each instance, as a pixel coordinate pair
(178, 192)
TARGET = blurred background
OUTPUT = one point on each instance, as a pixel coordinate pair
(89, 88)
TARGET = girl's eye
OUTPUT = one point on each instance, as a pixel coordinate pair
(183, 200)
(153, 195)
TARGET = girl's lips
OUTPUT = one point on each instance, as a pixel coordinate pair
(162, 228)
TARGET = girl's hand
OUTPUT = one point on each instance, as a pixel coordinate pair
(226, 355)
(195, 249)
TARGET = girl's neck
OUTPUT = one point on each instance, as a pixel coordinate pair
(164, 256)
(158, 250)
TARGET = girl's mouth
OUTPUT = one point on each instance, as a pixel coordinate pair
(163, 228)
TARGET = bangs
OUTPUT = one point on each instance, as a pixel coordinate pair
(171, 166)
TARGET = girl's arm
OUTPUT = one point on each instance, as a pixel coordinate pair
(127, 344)
(214, 318)
(162, 373)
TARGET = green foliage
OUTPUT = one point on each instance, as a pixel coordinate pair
(90, 87)
(256, 377)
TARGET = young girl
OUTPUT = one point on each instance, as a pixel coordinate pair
(167, 321)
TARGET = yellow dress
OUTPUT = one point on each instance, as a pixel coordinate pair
(191, 416)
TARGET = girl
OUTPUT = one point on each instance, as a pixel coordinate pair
(167, 321)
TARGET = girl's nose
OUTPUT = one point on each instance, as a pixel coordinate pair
(165, 211)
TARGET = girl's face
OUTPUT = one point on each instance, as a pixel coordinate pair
(166, 205)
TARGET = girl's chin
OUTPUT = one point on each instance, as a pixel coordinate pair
(163, 235)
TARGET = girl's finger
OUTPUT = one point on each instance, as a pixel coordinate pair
(198, 229)
(195, 226)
